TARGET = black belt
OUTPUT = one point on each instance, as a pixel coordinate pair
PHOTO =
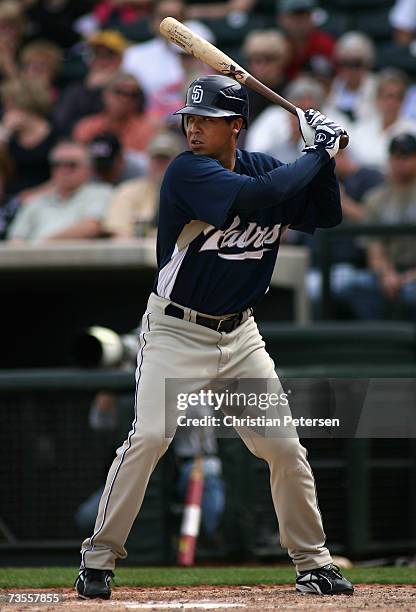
(219, 325)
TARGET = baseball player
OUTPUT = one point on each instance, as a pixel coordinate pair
(222, 214)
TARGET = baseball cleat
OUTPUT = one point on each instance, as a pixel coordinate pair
(94, 583)
(326, 580)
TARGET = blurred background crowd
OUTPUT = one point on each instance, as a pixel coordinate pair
(87, 92)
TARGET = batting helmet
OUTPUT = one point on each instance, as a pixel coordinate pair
(216, 96)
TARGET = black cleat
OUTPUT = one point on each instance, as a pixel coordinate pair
(94, 583)
(326, 580)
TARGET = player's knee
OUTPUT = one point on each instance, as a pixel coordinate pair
(157, 440)
(147, 441)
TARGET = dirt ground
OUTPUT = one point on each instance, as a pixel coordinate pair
(244, 598)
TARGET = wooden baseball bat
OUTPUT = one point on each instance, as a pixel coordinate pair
(192, 514)
(195, 45)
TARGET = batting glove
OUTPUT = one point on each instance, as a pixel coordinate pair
(307, 132)
(315, 118)
(327, 132)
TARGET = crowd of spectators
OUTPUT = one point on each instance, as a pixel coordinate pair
(87, 91)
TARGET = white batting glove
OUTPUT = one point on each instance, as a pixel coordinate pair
(307, 132)
(314, 117)
(327, 132)
(328, 136)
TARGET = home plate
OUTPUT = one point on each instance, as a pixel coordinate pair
(179, 605)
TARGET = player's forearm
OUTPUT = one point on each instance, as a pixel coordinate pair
(281, 183)
(324, 195)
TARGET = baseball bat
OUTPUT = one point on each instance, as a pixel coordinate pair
(192, 514)
(195, 45)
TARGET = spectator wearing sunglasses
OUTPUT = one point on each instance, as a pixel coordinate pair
(123, 115)
(354, 88)
(267, 53)
(73, 207)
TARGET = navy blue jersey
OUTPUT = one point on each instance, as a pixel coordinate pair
(219, 230)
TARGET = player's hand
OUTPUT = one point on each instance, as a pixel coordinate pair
(327, 132)
(328, 136)
(307, 132)
(314, 118)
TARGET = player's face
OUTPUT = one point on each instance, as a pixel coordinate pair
(212, 136)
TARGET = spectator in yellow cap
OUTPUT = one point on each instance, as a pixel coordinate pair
(86, 98)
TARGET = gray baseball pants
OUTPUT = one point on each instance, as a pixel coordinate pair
(171, 348)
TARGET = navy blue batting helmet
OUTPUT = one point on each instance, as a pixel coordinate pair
(216, 96)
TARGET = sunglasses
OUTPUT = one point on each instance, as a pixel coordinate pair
(390, 95)
(128, 93)
(103, 53)
(72, 164)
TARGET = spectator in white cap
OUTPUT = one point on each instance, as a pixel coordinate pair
(403, 21)
(267, 53)
(353, 90)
